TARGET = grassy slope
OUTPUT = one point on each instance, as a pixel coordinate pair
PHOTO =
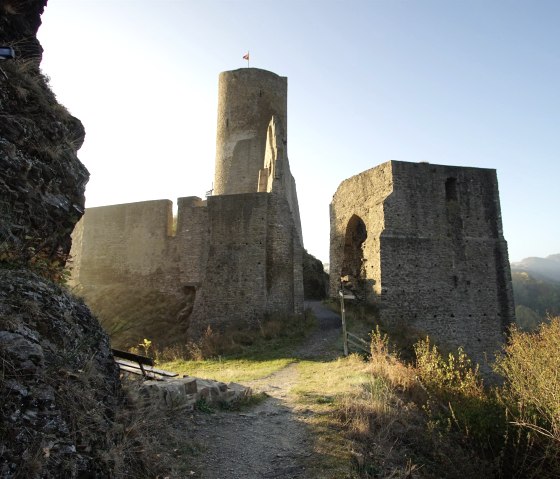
(385, 418)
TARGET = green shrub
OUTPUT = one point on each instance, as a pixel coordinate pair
(458, 399)
(531, 396)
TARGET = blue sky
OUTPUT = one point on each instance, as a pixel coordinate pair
(471, 83)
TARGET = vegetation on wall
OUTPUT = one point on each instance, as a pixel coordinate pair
(129, 315)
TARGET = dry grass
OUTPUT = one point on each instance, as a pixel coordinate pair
(151, 443)
(436, 419)
(240, 354)
(321, 388)
(271, 338)
(371, 415)
(227, 370)
(139, 441)
(130, 315)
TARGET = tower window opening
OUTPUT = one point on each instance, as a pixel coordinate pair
(451, 189)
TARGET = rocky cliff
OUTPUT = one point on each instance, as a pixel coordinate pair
(41, 179)
(58, 382)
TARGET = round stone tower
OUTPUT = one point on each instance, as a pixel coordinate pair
(247, 100)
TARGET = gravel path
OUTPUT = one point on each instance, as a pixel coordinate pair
(271, 440)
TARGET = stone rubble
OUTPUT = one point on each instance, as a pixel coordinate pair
(185, 393)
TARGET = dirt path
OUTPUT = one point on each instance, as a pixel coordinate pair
(271, 440)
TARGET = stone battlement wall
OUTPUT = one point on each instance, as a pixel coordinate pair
(232, 260)
(113, 243)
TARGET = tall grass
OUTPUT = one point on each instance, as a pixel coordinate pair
(436, 418)
(530, 397)
(269, 338)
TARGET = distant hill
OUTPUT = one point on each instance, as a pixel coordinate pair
(536, 290)
(540, 268)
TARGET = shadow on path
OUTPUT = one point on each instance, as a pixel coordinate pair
(271, 439)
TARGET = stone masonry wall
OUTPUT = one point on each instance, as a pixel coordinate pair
(232, 260)
(257, 270)
(252, 136)
(435, 258)
(359, 198)
(111, 244)
(235, 282)
(138, 273)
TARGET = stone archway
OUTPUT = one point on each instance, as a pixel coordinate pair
(353, 259)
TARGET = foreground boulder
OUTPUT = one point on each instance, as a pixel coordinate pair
(59, 384)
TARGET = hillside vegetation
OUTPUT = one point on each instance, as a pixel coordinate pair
(536, 290)
(535, 300)
(547, 269)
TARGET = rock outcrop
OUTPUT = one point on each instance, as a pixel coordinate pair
(42, 181)
(58, 382)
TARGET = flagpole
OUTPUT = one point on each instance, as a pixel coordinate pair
(247, 57)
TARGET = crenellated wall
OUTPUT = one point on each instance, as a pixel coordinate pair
(113, 243)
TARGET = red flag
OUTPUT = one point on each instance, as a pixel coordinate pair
(246, 56)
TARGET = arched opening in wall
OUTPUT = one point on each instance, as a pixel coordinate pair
(353, 261)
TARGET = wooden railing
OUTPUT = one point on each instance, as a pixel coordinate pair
(357, 343)
(348, 338)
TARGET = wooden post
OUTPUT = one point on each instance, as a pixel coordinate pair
(343, 315)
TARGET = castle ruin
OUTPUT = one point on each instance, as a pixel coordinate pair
(231, 259)
(424, 242)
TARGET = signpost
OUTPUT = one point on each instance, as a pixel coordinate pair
(344, 295)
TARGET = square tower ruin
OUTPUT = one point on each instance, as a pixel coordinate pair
(424, 242)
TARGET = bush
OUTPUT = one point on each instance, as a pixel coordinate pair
(458, 399)
(440, 413)
(531, 396)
